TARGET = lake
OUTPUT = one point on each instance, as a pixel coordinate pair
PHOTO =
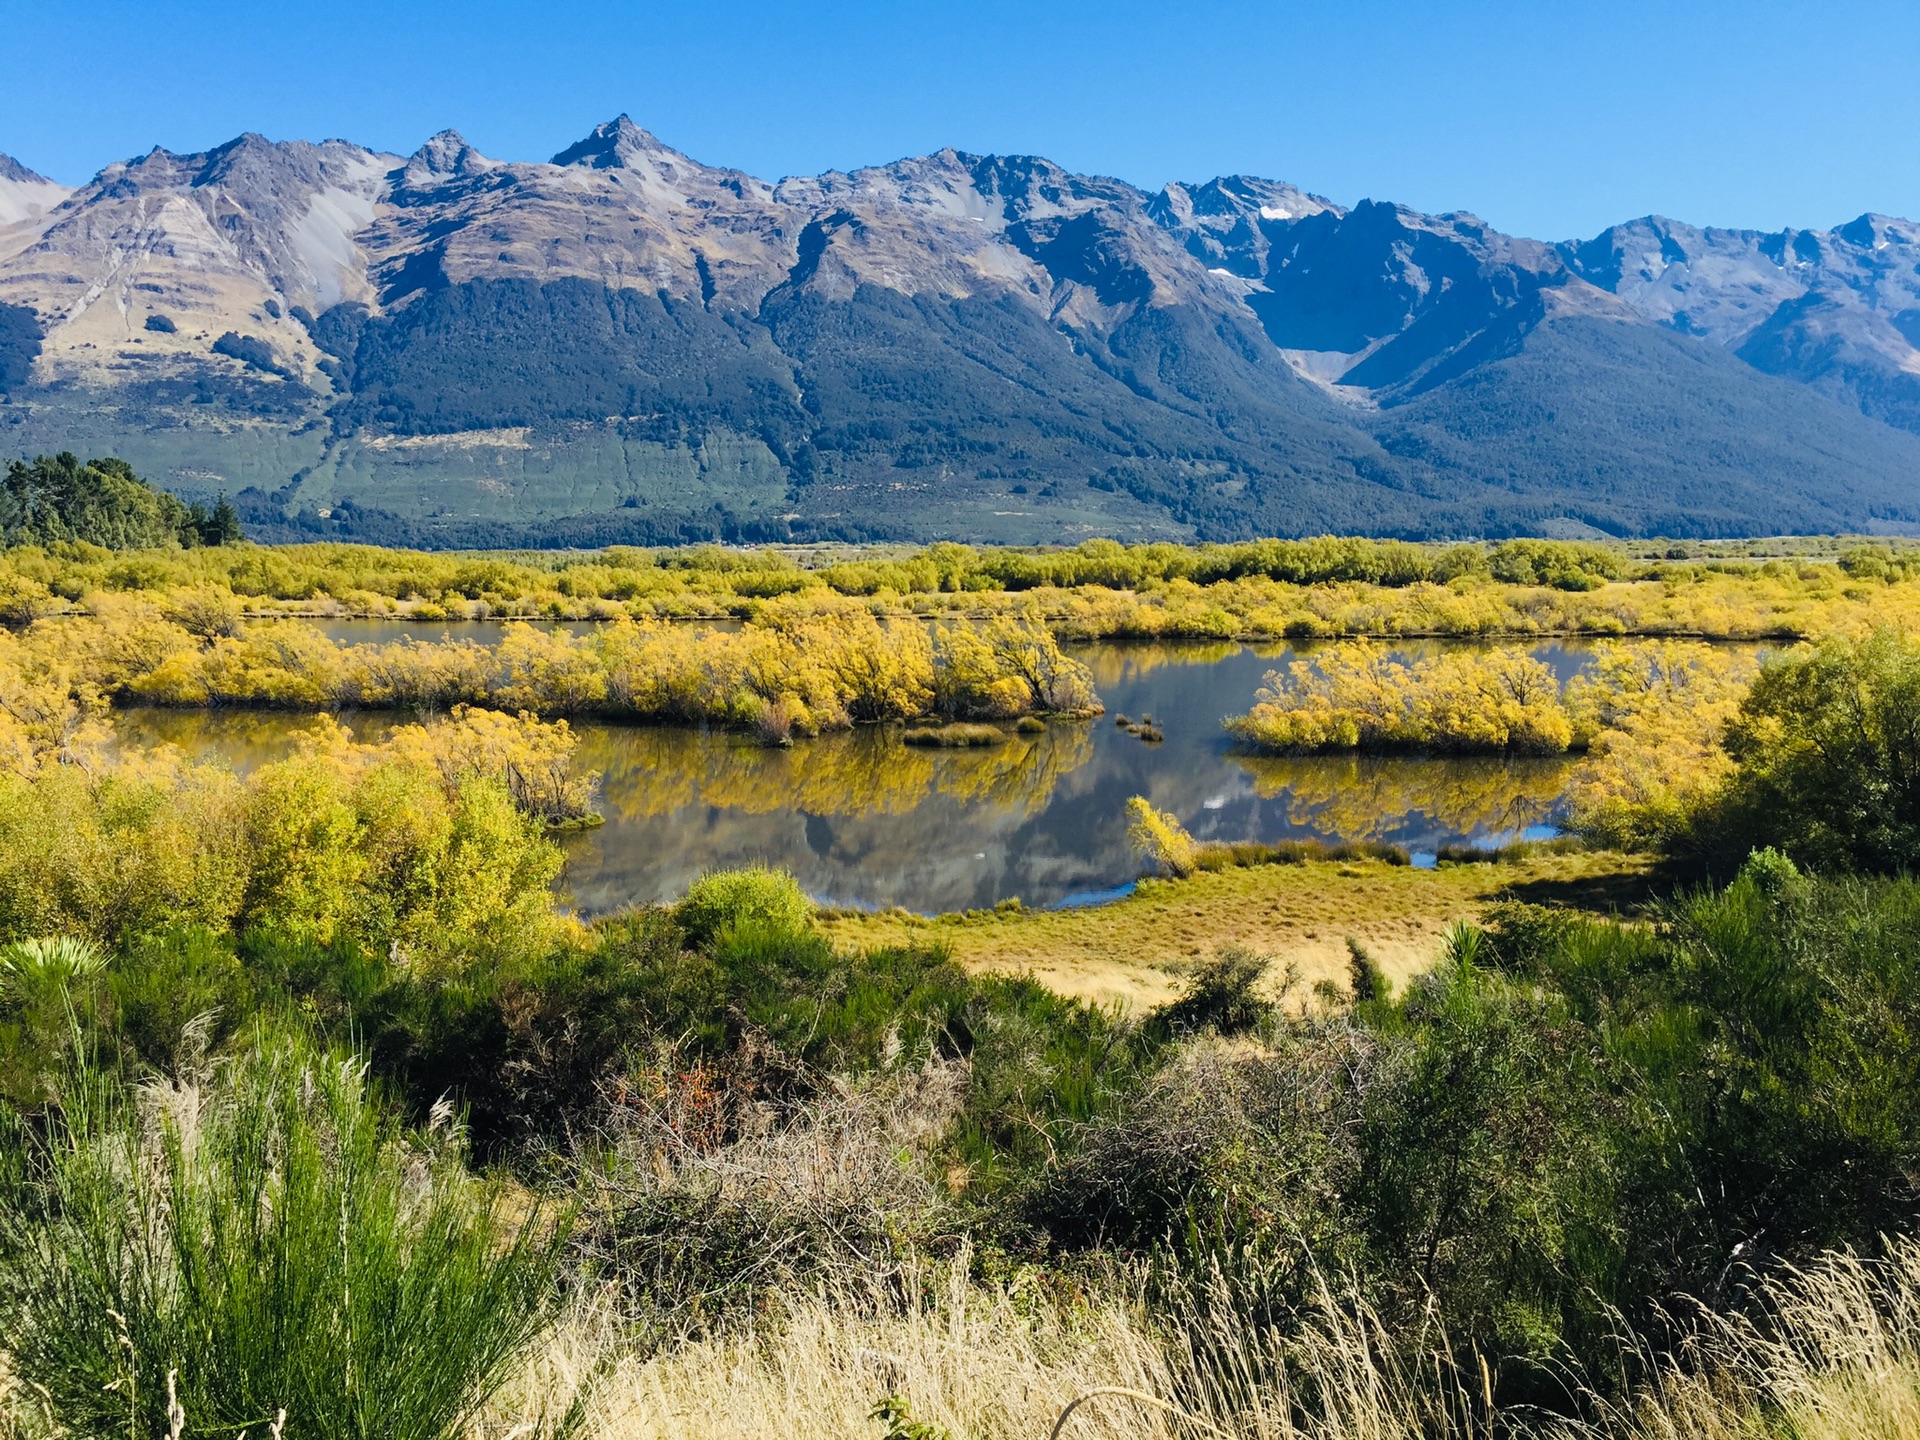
(863, 819)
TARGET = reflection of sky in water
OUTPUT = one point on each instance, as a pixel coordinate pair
(863, 819)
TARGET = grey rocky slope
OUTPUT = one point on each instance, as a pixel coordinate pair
(625, 343)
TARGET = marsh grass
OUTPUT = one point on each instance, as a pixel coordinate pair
(957, 736)
(255, 1249)
(1230, 855)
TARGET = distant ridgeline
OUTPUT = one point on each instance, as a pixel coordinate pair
(102, 502)
(625, 346)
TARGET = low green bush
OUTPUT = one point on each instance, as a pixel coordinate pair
(756, 894)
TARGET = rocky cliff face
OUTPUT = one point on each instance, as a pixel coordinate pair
(625, 341)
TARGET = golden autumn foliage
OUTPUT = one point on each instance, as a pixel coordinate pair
(794, 670)
(1650, 717)
(1159, 835)
(1361, 696)
(1655, 718)
(1272, 589)
(426, 841)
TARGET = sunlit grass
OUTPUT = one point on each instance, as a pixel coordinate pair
(1300, 914)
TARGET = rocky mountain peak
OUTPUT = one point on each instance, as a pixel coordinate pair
(12, 170)
(447, 156)
(25, 195)
(616, 145)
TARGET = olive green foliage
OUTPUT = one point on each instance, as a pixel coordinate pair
(1222, 993)
(261, 1251)
(56, 498)
(757, 897)
(1826, 749)
(1568, 1121)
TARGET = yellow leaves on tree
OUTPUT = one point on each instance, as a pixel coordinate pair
(1159, 835)
(800, 668)
(434, 841)
(1655, 717)
(1361, 696)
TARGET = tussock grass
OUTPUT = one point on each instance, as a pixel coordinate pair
(1226, 855)
(957, 736)
(1511, 854)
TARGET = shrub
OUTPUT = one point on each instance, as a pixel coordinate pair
(1221, 993)
(958, 736)
(179, 994)
(1369, 981)
(1360, 696)
(1159, 835)
(265, 1251)
(766, 899)
(1823, 749)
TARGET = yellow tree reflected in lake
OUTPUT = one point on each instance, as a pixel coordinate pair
(1367, 797)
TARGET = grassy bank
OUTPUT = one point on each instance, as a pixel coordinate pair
(1134, 950)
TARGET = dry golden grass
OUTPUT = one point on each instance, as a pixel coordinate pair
(1130, 952)
(1838, 1359)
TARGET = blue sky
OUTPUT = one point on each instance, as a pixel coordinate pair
(1547, 120)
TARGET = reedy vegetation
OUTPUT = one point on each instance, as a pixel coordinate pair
(262, 1250)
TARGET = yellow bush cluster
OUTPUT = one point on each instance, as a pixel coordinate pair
(1657, 717)
(425, 841)
(1159, 835)
(1324, 588)
(1363, 697)
(1651, 718)
(795, 670)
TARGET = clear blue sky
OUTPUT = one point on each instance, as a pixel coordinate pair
(1551, 120)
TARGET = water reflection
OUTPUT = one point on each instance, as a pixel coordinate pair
(864, 819)
(1367, 797)
(654, 771)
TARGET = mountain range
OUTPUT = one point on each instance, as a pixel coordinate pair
(623, 344)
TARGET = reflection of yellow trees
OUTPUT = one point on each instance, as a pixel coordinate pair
(647, 772)
(1358, 797)
(1113, 665)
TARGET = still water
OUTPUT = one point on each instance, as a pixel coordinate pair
(863, 819)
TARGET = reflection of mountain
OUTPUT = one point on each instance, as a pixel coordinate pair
(649, 772)
(1356, 797)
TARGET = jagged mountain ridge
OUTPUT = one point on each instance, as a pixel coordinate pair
(625, 342)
